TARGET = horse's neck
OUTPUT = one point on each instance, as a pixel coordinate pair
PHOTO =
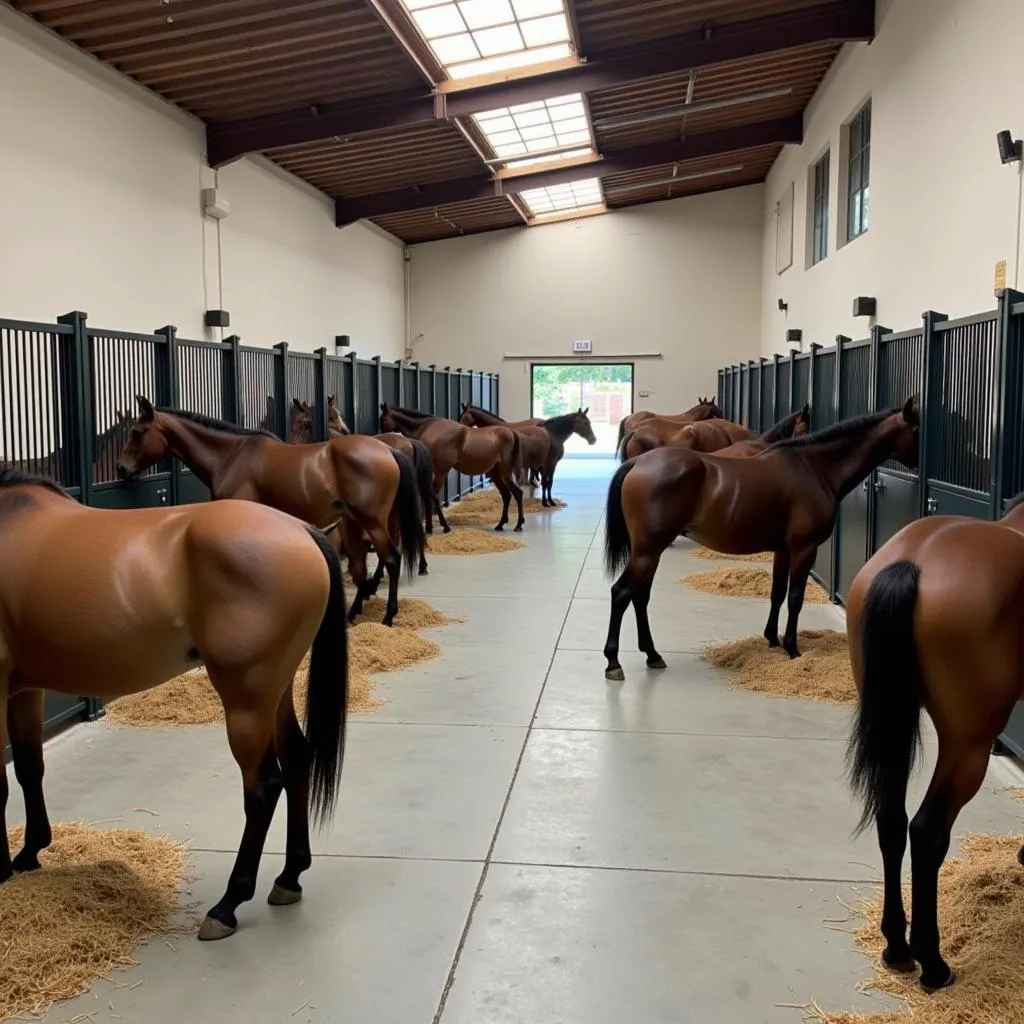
(846, 461)
(408, 426)
(205, 451)
(562, 431)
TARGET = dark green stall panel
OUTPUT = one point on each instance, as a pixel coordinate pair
(948, 500)
(897, 501)
(851, 537)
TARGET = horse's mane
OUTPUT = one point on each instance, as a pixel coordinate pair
(1015, 502)
(844, 428)
(11, 476)
(563, 422)
(412, 414)
(783, 429)
(215, 424)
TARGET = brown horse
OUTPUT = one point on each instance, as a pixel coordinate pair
(149, 594)
(705, 409)
(301, 432)
(933, 621)
(494, 451)
(784, 499)
(797, 424)
(559, 429)
(533, 441)
(354, 483)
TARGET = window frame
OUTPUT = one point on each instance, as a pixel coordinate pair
(858, 173)
(820, 182)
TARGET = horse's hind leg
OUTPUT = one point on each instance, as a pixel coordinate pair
(25, 728)
(799, 571)
(891, 825)
(293, 754)
(438, 485)
(506, 496)
(647, 567)
(393, 563)
(517, 493)
(251, 736)
(958, 776)
(780, 582)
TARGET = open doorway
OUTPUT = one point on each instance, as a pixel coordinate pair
(606, 388)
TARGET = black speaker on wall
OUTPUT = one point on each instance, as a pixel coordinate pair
(794, 334)
(217, 318)
(864, 305)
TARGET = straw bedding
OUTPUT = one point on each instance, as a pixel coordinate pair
(981, 920)
(471, 542)
(190, 699)
(708, 553)
(744, 581)
(101, 893)
(483, 508)
(822, 673)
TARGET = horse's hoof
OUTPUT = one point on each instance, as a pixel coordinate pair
(423, 571)
(499, 528)
(907, 966)
(657, 663)
(1020, 856)
(518, 529)
(773, 641)
(615, 675)
(211, 930)
(6, 874)
(931, 989)
(792, 652)
(447, 529)
(282, 897)
(26, 861)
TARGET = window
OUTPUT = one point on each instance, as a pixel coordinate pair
(784, 230)
(819, 210)
(858, 187)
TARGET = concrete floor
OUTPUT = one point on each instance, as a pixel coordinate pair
(519, 841)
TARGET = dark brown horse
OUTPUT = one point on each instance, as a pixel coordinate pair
(355, 483)
(491, 451)
(149, 594)
(934, 621)
(301, 432)
(705, 409)
(559, 430)
(784, 499)
(533, 441)
(797, 424)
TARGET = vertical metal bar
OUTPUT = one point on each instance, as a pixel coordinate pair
(1002, 417)
(930, 405)
(165, 371)
(775, 387)
(792, 383)
(281, 400)
(320, 390)
(79, 422)
(811, 374)
(231, 404)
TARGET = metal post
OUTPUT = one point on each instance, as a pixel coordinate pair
(447, 413)
(792, 381)
(320, 387)
(837, 406)
(1004, 400)
(761, 363)
(231, 399)
(166, 368)
(775, 389)
(811, 370)
(281, 400)
(80, 426)
(357, 398)
(931, 378)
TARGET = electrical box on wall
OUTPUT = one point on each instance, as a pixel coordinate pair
(215, 203)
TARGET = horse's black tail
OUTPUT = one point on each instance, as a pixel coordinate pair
(887, 731)
(327, 693)
(517, 454)
(616, 534)
(423, 464)
(410, 520)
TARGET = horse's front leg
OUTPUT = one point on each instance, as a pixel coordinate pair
(780, 581)
(799, 571)
(438, 485)
(25, 727)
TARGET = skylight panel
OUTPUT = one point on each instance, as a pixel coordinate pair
(544, 126)
(577, 195)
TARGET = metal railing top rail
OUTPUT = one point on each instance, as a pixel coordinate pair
(31, 327)
(966, 321)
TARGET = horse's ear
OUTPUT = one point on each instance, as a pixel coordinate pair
(383, 406)
(806, 411)
(146, 410)
(296, 403)
(585, 411)
(912, 411)
(330, 399)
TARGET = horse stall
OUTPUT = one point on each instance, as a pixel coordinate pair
(969, 373)
(67, 403)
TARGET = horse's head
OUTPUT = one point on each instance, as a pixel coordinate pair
(707, 409)
(146, 444)
(388, 423)
(802, 423)
(906, 445)
(581, 425)
(467, 419)
(300, 423)
(335, 424)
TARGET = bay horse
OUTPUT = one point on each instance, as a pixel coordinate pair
(933, 621)
(534, 442)
(559, 429)
(705, 409)
(148, 594)
(301, 432)
(784, 499)
(493, 451)
(354, 484)
(709, 435)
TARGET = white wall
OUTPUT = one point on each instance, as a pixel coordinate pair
(100, 210)
(681, 278)
(943, 78)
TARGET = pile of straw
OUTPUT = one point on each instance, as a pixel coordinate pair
(483, 508)
(471, 542)
(981, 920)
(190, 699)
(741, 581)
(101, 894)
(708, 553)
(822, 673)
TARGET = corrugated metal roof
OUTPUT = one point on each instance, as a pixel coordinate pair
(235, 60)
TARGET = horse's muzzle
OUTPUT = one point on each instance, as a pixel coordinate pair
(126, 473)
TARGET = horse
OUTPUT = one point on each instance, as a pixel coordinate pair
(494, 451)
(301, 432)
(705, 409)
(933, 621)
(534, 443)
(710, 435)
(354, 484)
(240, 588)
(559, 429)
(784, 499)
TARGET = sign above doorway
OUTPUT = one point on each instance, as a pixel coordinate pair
(581, 348)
